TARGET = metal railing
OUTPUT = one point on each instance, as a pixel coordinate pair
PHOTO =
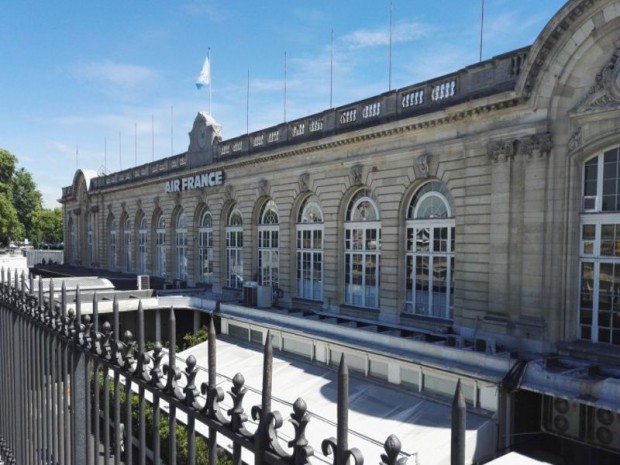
(71, 388)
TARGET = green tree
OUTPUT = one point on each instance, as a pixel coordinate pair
(8, 161)
(46, 226)
(27, 199)
(10, 227)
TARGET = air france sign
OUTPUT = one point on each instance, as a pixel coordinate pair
(209, 179)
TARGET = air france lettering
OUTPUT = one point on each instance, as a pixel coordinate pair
(214, 178)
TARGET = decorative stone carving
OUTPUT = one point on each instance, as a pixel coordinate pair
(230, 192)
(304, 182)
(605, 92)
(156, 201)
(537, 144)
(263, 188)
(124, 206)
(356, 174)
(422, 162)
(532, 145)
(575, 140)
(501, 150)
(139, 204)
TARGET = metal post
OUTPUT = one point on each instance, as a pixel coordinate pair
(262, 432)
(211, 348)
(172, 459)
(141, 406)
(459, 413)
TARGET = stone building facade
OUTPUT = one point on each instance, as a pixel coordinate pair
(485, 203)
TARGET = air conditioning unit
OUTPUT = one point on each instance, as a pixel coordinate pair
(605, 429)
(144, 282)
(563, 417)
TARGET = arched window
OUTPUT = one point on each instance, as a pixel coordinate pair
(181, 234)
(362, 251)
(599, 303)
(234, 250)
(205, 247)
(142, 246)
(430, 252)
(310, 251)
(113, 244)
(160, 247)
(268, 245)
(127, 244)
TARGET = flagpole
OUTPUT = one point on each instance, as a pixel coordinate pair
(390, 51)
(105, 154)
(171, 130)
(135, 143)
(247, 106)
(481, 26)
(210, 79)
(153, 136)
(285, 86)
(120, 152)
(331, 71)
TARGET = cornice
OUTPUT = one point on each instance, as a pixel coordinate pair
(441, 119)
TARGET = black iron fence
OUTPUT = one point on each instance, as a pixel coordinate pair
(74, 391)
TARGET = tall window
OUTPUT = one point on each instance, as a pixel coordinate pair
(127, 244)
(205, 247)
(599, 303)
(90, 219)
(182, 247)
(430, 252)
(160, 246)
(113, 245)
(362, 249)
(268, 245)
(234, 250)
(310, 251)
(142, 249)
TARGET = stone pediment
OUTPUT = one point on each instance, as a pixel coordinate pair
(604, 94)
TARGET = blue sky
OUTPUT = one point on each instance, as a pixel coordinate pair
(106, 79)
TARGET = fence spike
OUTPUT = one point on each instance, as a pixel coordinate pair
(459, 412)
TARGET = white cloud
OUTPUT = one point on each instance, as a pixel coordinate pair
(114, 75)
(202, 8)
(404, 31)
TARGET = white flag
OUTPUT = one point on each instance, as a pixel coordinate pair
(204, 79)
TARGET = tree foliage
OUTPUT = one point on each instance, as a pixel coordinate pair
(10, 227)
(8, 161)
(26, 199)
(47, 226)
(21, 209)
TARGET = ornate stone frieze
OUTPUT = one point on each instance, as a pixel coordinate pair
(304, 182)
(422, 163)
(356, 174)
(604, 94)
(533, 145)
